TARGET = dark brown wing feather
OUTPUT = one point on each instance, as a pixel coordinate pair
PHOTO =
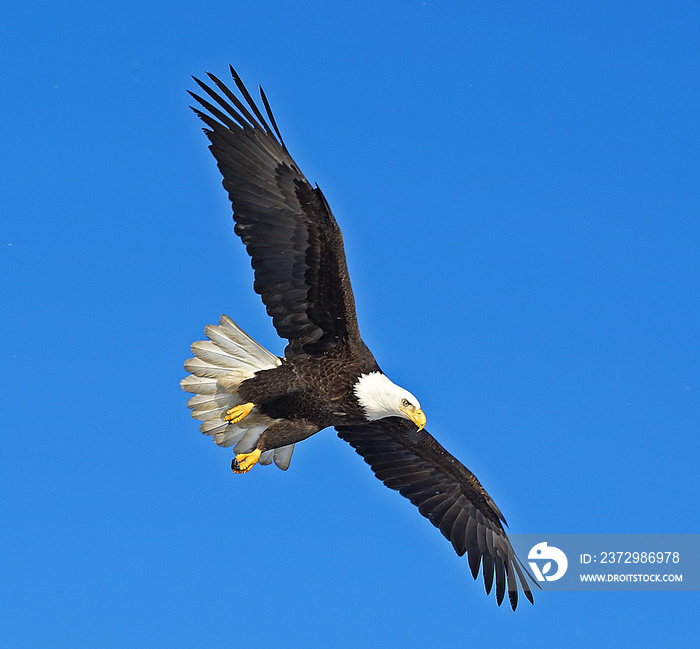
(295, 244)
(447, 494)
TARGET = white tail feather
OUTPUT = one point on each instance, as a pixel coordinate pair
(281, 456)
(218, 368)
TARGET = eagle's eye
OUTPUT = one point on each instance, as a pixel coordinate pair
(405, 403)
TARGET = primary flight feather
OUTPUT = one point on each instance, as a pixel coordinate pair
(262, 405)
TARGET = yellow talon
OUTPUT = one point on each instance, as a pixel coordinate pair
(244, 462)
(238, 413)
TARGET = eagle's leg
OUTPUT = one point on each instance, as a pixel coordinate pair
(244, 462)
(234, 415)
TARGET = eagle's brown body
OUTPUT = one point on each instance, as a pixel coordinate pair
(308, 393)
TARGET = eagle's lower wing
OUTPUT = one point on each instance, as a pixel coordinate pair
(295, 244)
(447, 494)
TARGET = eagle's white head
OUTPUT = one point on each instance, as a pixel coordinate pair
(380, 397)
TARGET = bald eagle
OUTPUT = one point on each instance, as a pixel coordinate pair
(262, 405)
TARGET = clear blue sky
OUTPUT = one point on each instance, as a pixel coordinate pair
(518, 188)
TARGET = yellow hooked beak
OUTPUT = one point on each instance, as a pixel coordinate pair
(416, 415)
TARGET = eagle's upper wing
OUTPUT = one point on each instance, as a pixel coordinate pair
(295, 244)
(447, 494)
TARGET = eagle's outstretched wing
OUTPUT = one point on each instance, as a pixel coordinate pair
(447, 494)
(295, 244)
